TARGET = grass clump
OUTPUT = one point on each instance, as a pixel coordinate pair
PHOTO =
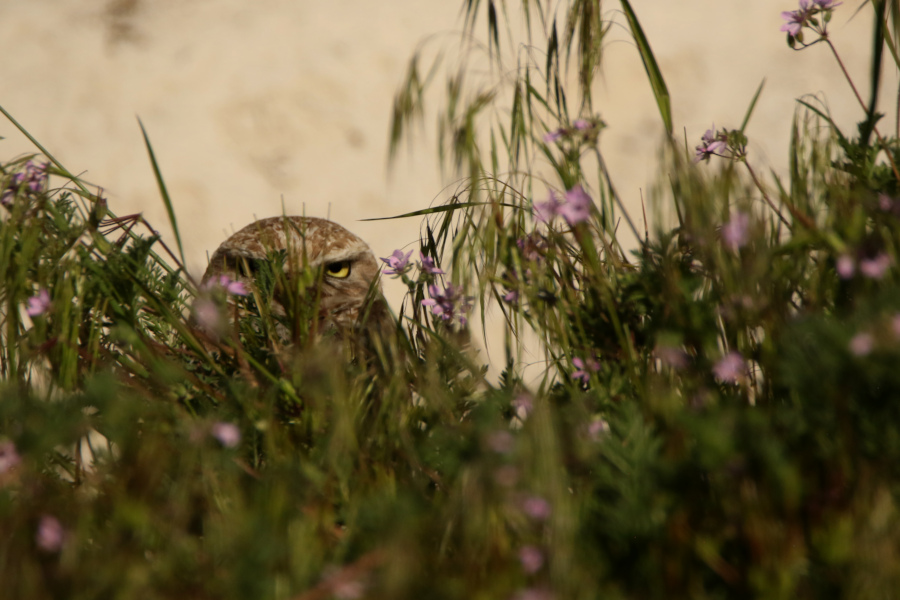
(713, 414)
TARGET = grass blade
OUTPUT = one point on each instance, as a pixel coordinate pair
(44, 151)
(752, 105)
(442, 209)
(660, 91)
(163, 192)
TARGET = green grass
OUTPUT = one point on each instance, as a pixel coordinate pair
(714, 415)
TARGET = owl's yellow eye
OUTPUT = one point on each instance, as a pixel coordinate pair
(340, 269)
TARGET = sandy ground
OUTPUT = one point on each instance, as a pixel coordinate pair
(255, 105)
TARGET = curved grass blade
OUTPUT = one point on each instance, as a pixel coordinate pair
(824, 116)
(63, 171)
(660, 91)
(163, 192)
(442, 209)
(44, 151)
(752, 105)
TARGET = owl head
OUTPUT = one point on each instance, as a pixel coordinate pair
(319, 264)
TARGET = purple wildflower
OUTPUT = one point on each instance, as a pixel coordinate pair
(671, 356)
(577, 208)
(845, 266)
(711, 143)
(584, 368)
(826, 4)
(511, 297)
(50, 534)
(795, 19)
(554, 136)
(523, 404)
(39, 304)
(730, 368)
(427, 265)
(448, 304)
(397, 263)
(501, 441)
(230, 286)
(33, 178)
(532, 559)
(532, 246)
(861, 344)
(885, 202)
(875, 267)
(349, 589)
(536, 507)
(236, 287)
(546, 211)
(9, 458)
(206, 312)
(228, 434)
(597, 428)
(735, 233)
(895, 325)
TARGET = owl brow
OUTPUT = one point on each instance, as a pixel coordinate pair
(346, 256)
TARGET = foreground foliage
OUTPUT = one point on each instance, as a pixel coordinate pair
(713, 414)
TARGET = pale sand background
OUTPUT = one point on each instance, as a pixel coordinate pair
(249, 102)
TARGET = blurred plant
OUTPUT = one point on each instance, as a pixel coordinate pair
(709, 410)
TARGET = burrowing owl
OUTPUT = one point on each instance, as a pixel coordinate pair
(349, 293)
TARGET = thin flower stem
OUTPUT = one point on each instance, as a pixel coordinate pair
(615, 195)
(805, 220)
(862, 103)
(837, 57)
